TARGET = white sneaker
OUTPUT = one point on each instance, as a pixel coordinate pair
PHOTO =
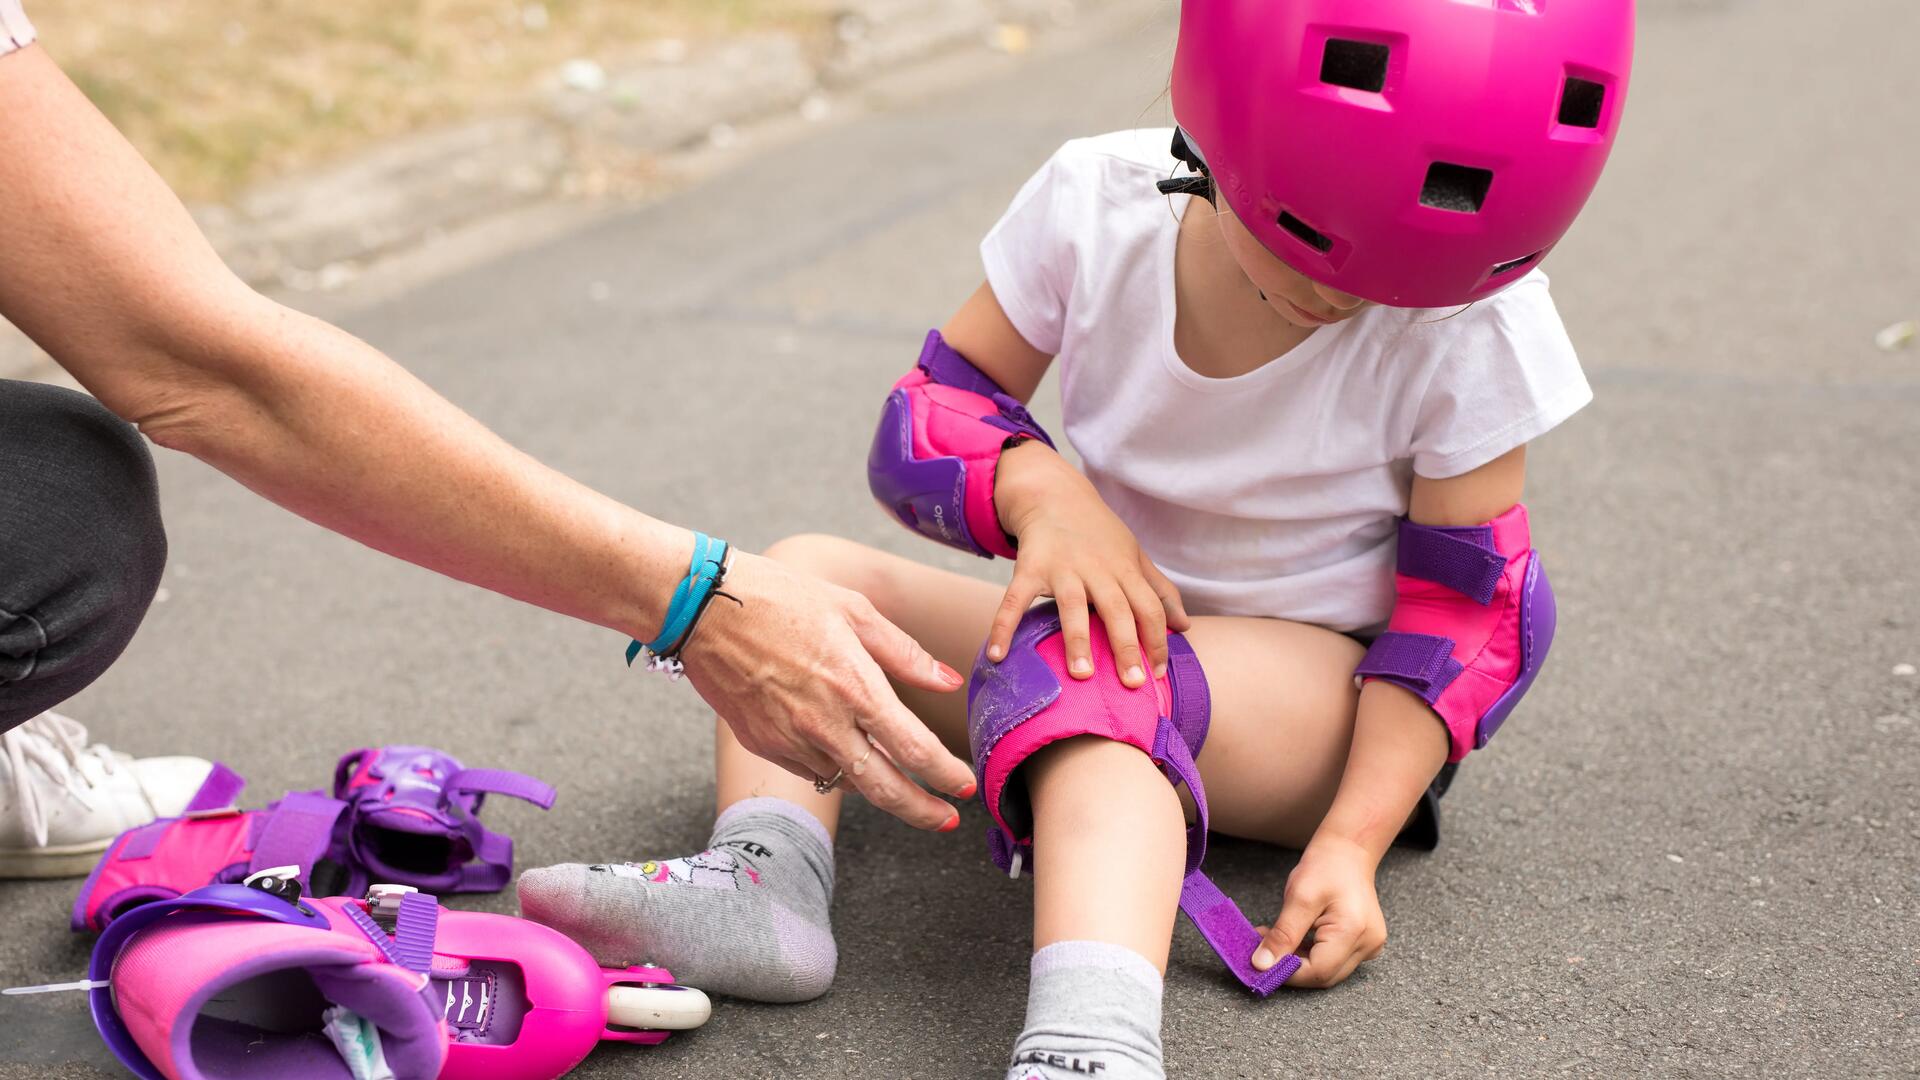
(62, 801)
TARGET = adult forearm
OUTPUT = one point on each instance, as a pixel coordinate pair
(336, 432)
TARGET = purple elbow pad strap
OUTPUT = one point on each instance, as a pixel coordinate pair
(938, 444)
(1472, 622)
(1024, 703)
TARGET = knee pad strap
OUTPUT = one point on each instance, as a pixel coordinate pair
(1025, 702)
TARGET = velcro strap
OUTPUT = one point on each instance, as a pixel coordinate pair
(503, 782)
(1171, 750)
(1231, 935)
(218, 791)
(142, 842)
(944, 365)
(492, 864)
(1461, 559)
(1192, 700)
(296, 832)
(1423, 663)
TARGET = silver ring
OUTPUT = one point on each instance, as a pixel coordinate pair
(822, 787)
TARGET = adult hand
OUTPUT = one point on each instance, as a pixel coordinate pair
(798, 669)
(1331, 895)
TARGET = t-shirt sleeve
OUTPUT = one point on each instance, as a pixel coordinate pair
(1508, 375)
(1029, 257)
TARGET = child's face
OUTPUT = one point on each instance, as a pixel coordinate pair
(1296, 297)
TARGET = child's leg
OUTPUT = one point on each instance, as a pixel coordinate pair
(1110, 839)
(748, 917)
(1109, 845)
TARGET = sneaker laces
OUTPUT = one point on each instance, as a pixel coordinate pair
(58, 746)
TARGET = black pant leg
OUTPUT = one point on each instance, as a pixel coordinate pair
(81, 544)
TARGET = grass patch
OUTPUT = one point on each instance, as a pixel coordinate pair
(219, 94)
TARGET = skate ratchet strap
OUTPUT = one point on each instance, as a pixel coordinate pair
(414, 929)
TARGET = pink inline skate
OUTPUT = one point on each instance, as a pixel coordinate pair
(232, 981)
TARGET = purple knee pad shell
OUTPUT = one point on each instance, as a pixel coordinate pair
(1025, 702)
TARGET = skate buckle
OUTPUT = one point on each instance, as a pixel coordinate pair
(1013, 868)
(385, 899)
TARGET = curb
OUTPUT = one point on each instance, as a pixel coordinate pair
(313, 231)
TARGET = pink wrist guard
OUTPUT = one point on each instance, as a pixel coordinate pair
(939, 442)
(1471, 626)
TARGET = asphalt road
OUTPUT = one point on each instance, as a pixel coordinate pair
(1696, 851)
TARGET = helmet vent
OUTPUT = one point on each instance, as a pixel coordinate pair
(1361, 65)
(1306, 233)
(1513, 264)
(1459, 188)
(1580, 102)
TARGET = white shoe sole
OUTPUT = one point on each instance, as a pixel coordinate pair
(70, 860)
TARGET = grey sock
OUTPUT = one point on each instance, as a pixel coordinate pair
(747, 917)
(1093, 1013)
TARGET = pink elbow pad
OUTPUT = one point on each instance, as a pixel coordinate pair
(940, 438)
(1471, 626)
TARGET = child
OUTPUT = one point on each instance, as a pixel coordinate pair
(1321, 367)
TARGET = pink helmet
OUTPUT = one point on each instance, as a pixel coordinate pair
(1420, 153)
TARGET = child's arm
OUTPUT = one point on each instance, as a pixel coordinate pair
(1069, 544)
(1398, 746)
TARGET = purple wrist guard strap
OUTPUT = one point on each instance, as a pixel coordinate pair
(938, 446)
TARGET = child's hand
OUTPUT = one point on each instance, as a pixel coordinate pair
(1331, 894)
(1076, 550)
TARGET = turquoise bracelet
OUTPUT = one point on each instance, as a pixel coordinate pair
(689, 599)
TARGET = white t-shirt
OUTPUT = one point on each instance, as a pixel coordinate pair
(1273, 493)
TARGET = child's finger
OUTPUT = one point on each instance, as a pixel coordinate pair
(1020, 593)
(1285, 936)
(1072, 598)
(1169, 594)
(1331, 959)
(1117, 615)
(1151, 617)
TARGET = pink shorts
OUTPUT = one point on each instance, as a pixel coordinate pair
(15, 31)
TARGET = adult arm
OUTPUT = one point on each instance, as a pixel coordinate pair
(104, 268)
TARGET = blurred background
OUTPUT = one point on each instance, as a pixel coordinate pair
(607, 228)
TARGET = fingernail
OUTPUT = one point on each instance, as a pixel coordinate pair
(1159, 671)
(1083, 666)
(1135, 675)
(954, 823)
(951, 676)
(1262, 959)
(970, 790)
(995, 652)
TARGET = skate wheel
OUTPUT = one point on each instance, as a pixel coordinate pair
(657, 1008)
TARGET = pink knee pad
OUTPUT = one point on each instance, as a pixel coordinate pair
(1027, 701)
